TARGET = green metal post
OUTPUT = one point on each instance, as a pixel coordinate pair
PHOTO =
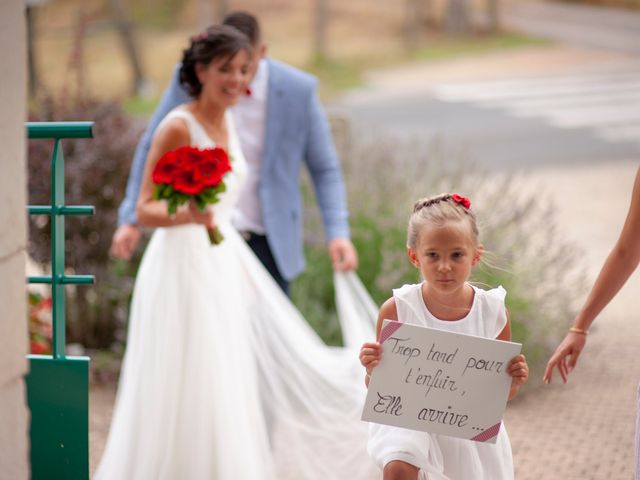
(57, 385)
(57, 251)
(57, 130)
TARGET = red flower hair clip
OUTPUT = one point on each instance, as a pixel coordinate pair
(464, 201)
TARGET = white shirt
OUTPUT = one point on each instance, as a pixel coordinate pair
(250, 118)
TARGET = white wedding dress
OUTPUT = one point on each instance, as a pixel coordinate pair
(222, 377)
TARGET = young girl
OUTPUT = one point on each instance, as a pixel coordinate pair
(443, 244)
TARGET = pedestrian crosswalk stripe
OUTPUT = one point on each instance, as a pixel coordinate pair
(592, 117)
(608, 102)
(621, 133)
(536, 105)
(534, 90)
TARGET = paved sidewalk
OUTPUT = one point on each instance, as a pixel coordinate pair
(585, 429)
(101, 400)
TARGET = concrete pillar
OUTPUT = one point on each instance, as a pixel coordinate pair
(14, 415)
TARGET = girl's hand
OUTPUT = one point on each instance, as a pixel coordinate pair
(518, 370)
(566, 356)
(370, 354)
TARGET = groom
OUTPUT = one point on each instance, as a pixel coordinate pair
(281, 124)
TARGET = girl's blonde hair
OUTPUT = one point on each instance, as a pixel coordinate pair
(438, 210)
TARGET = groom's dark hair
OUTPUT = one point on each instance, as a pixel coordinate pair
(246, 23)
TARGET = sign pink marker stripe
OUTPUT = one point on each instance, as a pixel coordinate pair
(488, 433)
(389, 330)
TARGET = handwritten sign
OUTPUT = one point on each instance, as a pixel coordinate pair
(440, 382)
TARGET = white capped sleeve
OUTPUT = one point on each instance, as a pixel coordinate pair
(494, 314)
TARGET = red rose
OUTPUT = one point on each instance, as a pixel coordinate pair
(166, 168)
(213, 166)
(188, 156)
(186, 181)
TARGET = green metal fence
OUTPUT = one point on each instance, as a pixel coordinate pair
(58, 385)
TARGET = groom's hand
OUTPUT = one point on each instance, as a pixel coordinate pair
(125, 241)
(343, 254)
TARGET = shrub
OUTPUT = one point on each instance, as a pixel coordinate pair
(526, 255)
(40, 327)
(96, 171)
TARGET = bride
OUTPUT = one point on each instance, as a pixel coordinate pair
(222, 377)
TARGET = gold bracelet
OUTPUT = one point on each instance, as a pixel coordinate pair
(579, 330)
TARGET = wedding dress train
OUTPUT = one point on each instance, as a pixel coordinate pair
(222, 377)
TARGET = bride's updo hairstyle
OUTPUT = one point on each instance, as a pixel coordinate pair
(437, 211)
(215, 42)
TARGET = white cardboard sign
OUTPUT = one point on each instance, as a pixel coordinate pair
(440, 382)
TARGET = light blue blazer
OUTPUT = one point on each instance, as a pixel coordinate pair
(297, 132)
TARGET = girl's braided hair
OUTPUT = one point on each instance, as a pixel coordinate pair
(436, 211)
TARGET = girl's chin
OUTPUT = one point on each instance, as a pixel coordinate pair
(445, 287)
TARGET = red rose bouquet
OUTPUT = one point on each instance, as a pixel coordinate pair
(191, 174)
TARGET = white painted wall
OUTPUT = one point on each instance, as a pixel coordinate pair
(14, 416)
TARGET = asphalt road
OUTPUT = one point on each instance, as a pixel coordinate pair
(586, 25)
(487, 136)
(576, 102)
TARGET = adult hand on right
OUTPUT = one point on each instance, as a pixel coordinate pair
(125, 241)
(566, 356)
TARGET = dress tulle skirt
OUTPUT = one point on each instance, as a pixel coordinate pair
(223, 379)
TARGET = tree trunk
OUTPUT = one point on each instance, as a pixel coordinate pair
(123, 25)
(211, 12)
(76, 59)
(430, 14)
(493, 11)
(320, 31)
(34, 80)
(205, 14)
(457, 20)
(222, 9)
(414, 22)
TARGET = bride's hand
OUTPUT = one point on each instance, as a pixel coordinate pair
(201, 217)
(192, 214)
